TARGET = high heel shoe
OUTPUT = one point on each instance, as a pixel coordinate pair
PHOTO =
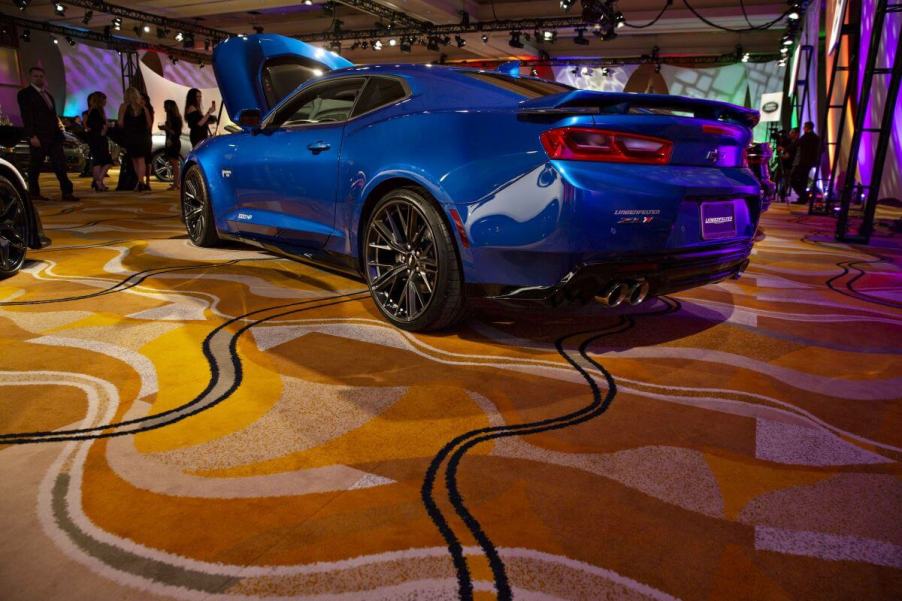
(97, 187)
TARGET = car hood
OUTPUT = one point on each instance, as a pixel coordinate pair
(241, 65)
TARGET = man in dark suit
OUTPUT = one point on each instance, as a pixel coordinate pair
(808, 154)
(44, 132)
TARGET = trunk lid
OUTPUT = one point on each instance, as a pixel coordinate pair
(703, 132)
(257, 71)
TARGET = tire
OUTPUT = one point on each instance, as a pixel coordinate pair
(197, 213)
(411, 264)
(13, 229)
(161, 168)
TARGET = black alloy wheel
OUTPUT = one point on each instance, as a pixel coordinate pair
(411, 264)
(161, 167)
(13, 229)
(196, 210)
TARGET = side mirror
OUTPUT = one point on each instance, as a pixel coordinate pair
(249, 118)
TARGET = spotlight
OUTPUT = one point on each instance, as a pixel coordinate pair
(605, 72)
(549, 35)
(146, 28)
(59, 9)
(179, 36)
(580, 39)
(377, 45)
(308, 2)
(117, 23)
(89, 14)
(485, 38)
(69, 40)
(515, 40)
(787, 41)
(21, 4)
(586, 71)
(55, 41)
(392, 42)
(746, 57)
(567, 4)
(793, 16)
(26, 35)
(619, 20)
(534, 72)
(446, 40)
(460, 41)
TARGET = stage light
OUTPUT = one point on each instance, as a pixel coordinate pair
(567, 4)
(377, 45)
(26, 35)
(620, 20)
(179, 36)
(605, 72)
(746, 57)
(787, 41)
(534, 72)
(69, 40)
(549, 35)
(59, 9)
(586, 71)
(146, 28)
(21, 4)
(515, 40)
(55, 41)
(485, 38)
(460, 41)
(89, 14)
(117, 23)
(392, 42)
(308, 2)
(793, 16)
(580, 39)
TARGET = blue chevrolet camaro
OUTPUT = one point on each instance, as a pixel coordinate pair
(441, 184)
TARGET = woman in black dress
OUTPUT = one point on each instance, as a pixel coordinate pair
(148, 142)
(198, 123)
(134, 119)
(96, 127)
(173, 149)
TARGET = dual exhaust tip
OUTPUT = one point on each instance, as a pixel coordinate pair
(620, 292)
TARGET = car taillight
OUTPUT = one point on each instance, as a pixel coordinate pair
(586, 144)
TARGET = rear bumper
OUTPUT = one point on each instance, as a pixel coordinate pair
(666, 272)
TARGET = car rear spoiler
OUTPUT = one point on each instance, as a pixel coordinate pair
(585, 102)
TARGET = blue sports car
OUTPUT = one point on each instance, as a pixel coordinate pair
(439, 184)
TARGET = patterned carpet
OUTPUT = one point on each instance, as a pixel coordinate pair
(185, 423)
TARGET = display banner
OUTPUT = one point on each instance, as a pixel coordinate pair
(770, 107)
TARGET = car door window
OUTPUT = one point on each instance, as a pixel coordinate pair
(328, 102)
(379, 92)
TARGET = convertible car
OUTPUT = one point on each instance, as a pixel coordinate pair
(20, 225)
(438, 184)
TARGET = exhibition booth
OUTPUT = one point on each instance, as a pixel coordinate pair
(373, 300)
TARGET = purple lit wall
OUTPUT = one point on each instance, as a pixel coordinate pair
(891, 185)
(90, 69)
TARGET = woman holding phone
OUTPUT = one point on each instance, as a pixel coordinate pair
(198, 122)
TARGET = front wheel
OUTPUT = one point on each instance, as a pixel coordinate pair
(161, 167)
(13, 229)
(197, 213)
(411, 264)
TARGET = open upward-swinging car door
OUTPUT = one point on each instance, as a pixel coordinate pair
(281, 177)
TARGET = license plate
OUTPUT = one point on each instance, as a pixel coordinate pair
(718, 220)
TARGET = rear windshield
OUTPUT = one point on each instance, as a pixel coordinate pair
(530, 88)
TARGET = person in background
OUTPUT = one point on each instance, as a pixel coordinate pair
(173, 149)
(787, 159)
(148, 139)
(808, 152)
(134, 119)
(44, 132)
(198, 123)
(96, 126)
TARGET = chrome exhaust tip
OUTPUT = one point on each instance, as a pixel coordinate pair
(614, 295)
(638, 292)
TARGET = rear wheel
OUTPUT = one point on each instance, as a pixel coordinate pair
(411, 264)
(13, 229)
(197, 213)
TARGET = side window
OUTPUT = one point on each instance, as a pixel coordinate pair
(325, 103)
(282, 75)
(379, 91)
